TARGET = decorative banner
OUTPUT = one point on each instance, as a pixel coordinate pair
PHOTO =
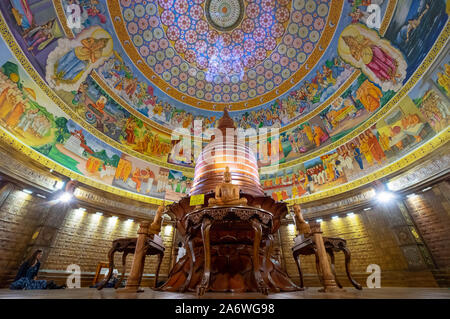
(197, 200)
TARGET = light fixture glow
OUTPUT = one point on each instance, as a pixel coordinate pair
(27, 191)
(350, 214)
(99, 213)
(385, 197)
(59, 185)
(65, 197)
(114, 217)
(413, 195)
(319, 220)
(168, 230)
(291, 228)
(130, 220)
(427, 189)
(41, 196)
(335, 217)
(367, 208)
(82, 209)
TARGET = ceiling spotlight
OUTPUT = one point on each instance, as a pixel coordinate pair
(41, 196)
(367, 208)
(65, 197)
(319, 220)
(427, 189)
(351, 214)
(385, 197)
(27, 191)
(335, 217)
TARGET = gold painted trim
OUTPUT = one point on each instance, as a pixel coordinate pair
(420, 71)
(440, 140)
(389, 13)
(127, 44)
(12, 141)
(62, 18)
(28, 67)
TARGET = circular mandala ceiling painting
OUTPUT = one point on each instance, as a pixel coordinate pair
(226, 51)
(224, 15)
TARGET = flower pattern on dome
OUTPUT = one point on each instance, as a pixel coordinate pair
(283, 32)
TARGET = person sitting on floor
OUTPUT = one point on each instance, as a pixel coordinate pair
(26, 277)
(112, 282)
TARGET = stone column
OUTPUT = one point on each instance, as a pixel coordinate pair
(328, 278)
(5, 190)
(137, 267)
(47, 229)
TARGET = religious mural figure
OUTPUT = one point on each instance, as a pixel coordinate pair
(376, 57)
(72, 60)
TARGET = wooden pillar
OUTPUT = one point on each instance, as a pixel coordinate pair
(328, 278)
(137, 267)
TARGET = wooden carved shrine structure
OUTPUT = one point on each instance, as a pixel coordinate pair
(228, 238)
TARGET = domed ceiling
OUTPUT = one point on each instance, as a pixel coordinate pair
(352, 87)
(233, 52)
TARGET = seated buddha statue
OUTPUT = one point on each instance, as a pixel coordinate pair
(227, 193)
(302, 227)
(155, 226)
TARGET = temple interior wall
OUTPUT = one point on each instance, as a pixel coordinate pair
(408, 238)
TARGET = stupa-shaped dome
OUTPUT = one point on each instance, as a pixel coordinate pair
(223, 151)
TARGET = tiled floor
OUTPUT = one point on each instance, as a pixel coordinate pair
(309, 293)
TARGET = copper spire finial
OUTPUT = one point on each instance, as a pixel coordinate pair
(225, 121)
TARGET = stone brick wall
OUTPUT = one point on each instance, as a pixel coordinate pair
(431, 211)
(375, 236)
(384, 235)
(85, 239)
(19, 216)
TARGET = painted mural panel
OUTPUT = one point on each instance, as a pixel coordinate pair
(94, 76)
(381, 63)
(417, 118)
(28, 114)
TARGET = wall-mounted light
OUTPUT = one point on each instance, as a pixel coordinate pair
(65, 197)
(168, 230)
(351, 214)
(59, 185)
(27, 191)
(319, 220)
(427, 189)
(41, 196)
(385, 197)
(291, 228)
(367, 208)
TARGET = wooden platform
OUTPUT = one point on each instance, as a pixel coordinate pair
(309, 293)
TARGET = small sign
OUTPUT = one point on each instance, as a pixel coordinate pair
(197, 199)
